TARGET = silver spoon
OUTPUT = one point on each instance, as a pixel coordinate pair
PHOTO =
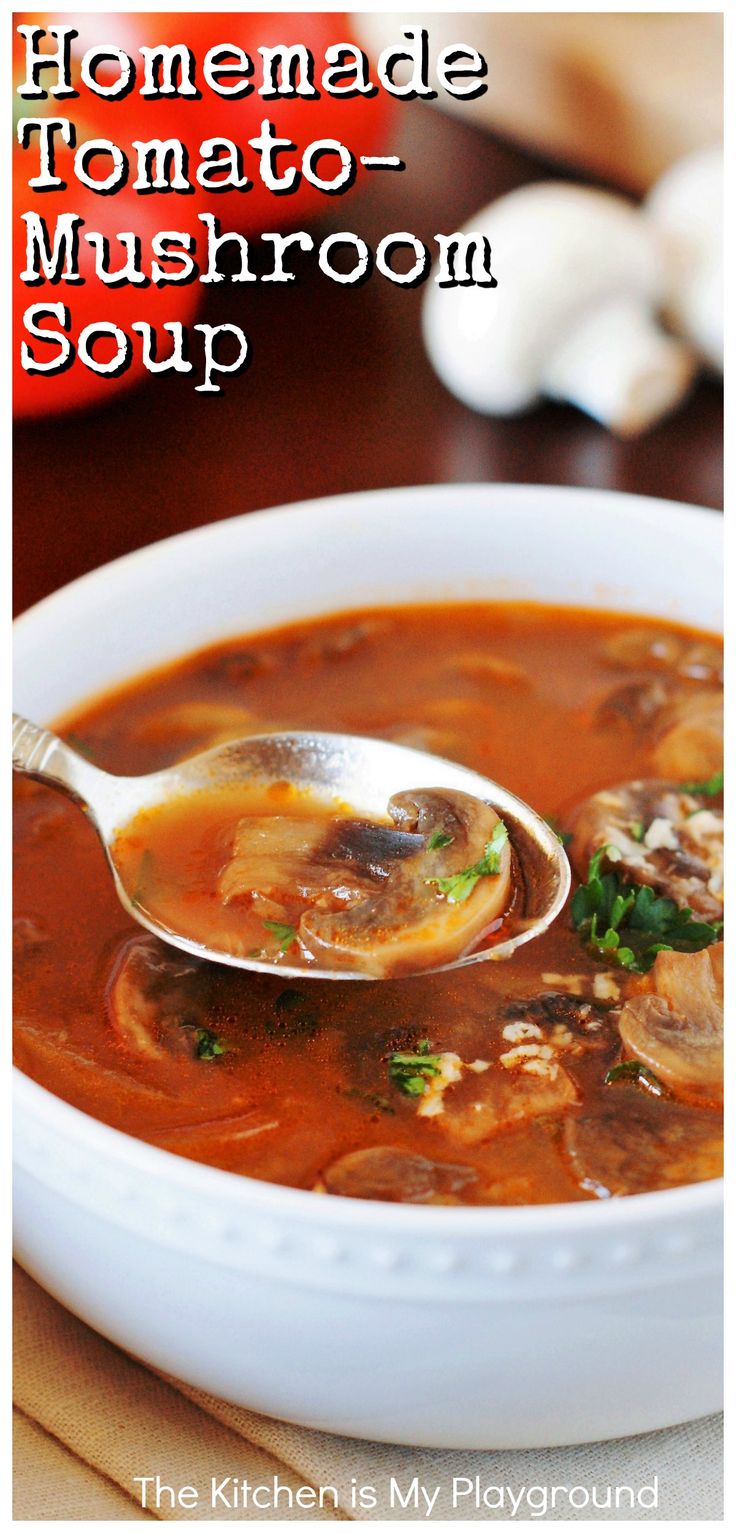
(362, 772)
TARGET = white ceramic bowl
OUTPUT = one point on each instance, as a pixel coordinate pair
(509, 1327)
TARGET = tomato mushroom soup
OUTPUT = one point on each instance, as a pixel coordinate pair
(259, 871)
(587, 1065)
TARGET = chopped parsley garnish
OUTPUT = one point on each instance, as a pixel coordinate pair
(628, 924)
(283, 933)
(710, 788)
(634, 1070)
(208, 1044)
(438, 839)
(413, 1072)
(457, 886)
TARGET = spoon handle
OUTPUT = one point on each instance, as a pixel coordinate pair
(41, 754)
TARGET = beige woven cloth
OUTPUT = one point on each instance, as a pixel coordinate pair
(89, 1419)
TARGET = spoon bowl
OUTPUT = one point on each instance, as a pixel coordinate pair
(355, 769)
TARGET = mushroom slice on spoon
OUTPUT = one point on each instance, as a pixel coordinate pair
(277, 854)
(166, 858)
(433, 905)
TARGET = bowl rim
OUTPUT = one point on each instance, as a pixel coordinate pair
(301, 1204)
(682, 511)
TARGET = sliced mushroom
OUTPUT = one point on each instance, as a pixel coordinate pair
(428, 737)
(395, 1175)
(531, 1085)
(30, 935)
(240, 663)
(43, 814)
(186, 728)
(525, 1075)
(278, 857)
(689, 745)
(478, 713)
(572, 1023)
(638, 1143)
(676, 1029)
(685, 722)
(157, 1000)
(338, 642)
(645, 649)
(410, 923)
(665, 837)
(636, 703)
(482, 666)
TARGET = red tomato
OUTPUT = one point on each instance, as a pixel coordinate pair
(39, 394)
(360, 123)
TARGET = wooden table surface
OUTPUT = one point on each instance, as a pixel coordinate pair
(340, 396)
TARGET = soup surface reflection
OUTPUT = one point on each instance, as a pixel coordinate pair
(588, 1065)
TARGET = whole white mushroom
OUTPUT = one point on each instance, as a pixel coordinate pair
(580, 279)
(686, 208)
